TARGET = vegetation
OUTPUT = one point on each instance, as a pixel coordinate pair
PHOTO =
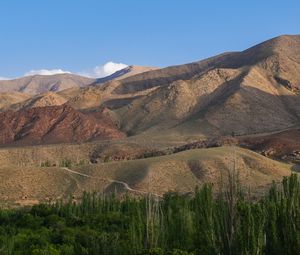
(47, 163)
(64, 163)
(229, 223)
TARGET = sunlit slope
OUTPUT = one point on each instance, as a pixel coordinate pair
(178, 172)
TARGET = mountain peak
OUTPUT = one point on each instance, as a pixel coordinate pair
(283, 43)
(126, 72)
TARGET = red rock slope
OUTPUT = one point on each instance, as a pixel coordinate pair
(55, 124)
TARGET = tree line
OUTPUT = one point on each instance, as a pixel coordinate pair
(228, 223)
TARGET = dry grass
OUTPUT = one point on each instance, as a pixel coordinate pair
(178, 172)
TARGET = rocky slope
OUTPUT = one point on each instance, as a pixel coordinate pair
(247, 92)
(56, 124)
(279, 55)
(283, 146)
(7, 99)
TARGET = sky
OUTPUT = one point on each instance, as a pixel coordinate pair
(95, 37)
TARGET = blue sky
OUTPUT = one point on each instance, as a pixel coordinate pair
(78, 35)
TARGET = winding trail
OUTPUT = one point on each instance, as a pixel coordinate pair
(125, 185)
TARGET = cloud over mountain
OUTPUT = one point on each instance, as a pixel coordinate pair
(99, 71)
(3, 78)
(45, 72)
(104, 70)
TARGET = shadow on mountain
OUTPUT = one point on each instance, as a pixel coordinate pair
(265, 112)
(114, 104)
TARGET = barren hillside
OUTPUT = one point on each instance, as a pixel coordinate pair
(253, 95)
(253, 91)
(7, 99)
(42, 83)
(181, 172)
(56, 124)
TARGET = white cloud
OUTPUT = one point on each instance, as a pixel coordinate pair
(45, 72)
(96, 72)
(4, 78)
(104, 70)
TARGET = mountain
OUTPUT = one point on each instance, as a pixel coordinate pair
(273, 55)
(55, 124)
(40, 100)
(42, 83)
(37, 84)
(247, 92)
(125, 73)
(253, 91)
(7, 99)
(159, 126)
(77, 97)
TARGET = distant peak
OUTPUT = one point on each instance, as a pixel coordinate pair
(126, 72)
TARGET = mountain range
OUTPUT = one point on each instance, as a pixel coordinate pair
(36, 84)
(249, 100)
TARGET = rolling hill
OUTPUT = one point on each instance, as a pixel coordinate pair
(182, 172)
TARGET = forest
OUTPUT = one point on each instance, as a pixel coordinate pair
(229, 223)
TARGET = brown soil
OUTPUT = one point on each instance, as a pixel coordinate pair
(283, 146)
(56, 124)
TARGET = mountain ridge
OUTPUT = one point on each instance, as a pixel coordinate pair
(174, 127)
(256, 89)
(42, 83)
(36, 84)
